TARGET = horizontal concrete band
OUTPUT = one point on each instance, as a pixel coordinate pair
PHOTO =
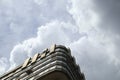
(60, 60)
(39, 66)
(19, 67)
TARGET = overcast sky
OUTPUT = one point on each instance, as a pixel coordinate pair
(91, 28)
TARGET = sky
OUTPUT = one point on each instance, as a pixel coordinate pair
(89, 27)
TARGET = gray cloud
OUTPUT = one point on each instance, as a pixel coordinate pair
(94, 60)
(4, 63)
(29, 26)
(46, 35)
(109, 11)
(19, 20)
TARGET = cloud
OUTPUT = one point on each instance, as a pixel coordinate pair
(16, 23)
(36, 24)
(95, 59)
(21, 22)
(84, 15)
(47, 34)
(3, 64)
(109, 14)
(109, 23)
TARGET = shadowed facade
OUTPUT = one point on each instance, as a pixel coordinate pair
(55, 63)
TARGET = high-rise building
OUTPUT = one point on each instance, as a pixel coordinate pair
(55, 63)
